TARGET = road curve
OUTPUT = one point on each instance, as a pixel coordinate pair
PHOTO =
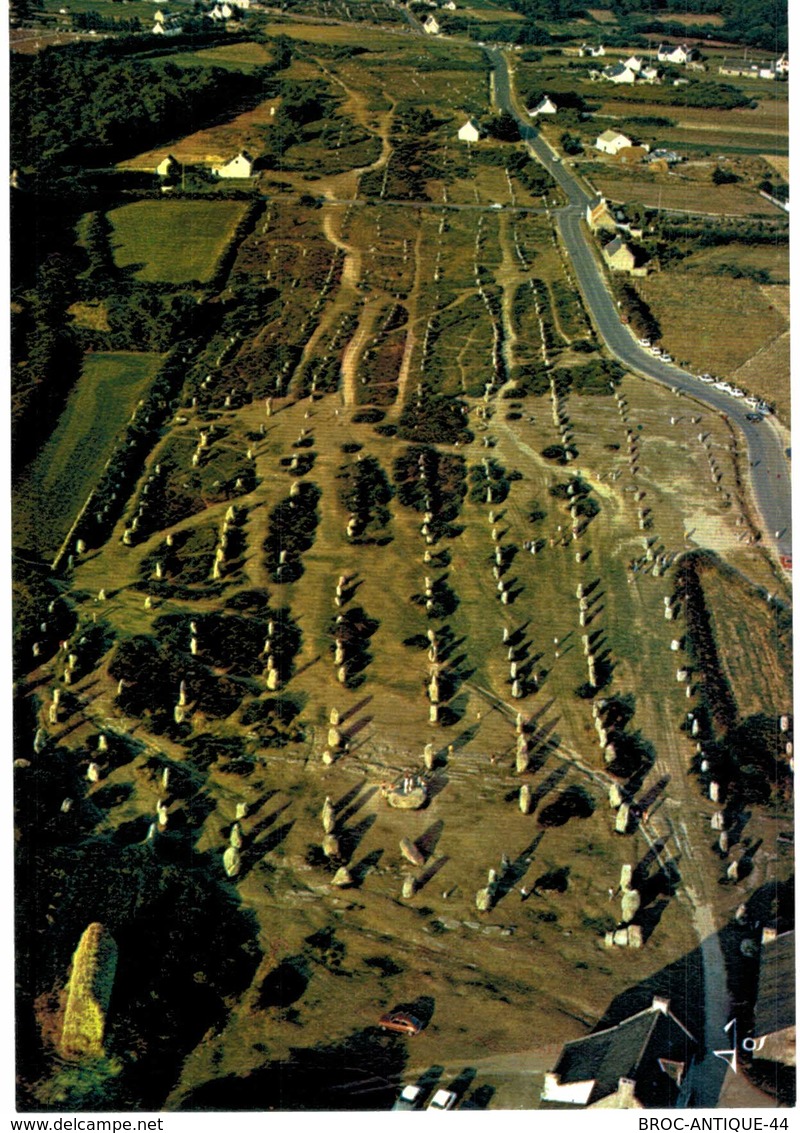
(769, 467)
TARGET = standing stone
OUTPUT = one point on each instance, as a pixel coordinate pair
(232, 861)
(94, 966)
(625, 876)
(631, 900)
(623, 818)
(328, 816)
(525, 798)
(409, 887)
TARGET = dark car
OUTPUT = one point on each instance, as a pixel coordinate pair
(401, 1022)
(754, 417)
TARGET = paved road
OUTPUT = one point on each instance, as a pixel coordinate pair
(769, 467)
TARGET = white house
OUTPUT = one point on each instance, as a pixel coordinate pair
(593, 52)
(650, 75)
(159, 17)
(619, 73)
(668, 53)
(546, 106)
(470, 131)
(431, 25)
(611, 142)
(634, 63)
(782, 65)
(449, 5)
(167, 166)
(239, 166)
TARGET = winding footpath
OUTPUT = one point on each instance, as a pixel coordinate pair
(769, 467)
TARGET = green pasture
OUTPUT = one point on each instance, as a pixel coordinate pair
(173, 241)
(49, 495)
(235, 56)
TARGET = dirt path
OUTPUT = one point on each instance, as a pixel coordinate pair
(509, 278)
(355, 348)
(409, 352)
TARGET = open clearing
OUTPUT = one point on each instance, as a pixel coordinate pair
(236, 56)
(667, 191)
(681, 302)
(173, 241)
(47, 498)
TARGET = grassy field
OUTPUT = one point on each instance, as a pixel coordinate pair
(173, 241)
(758, 257)
(476, 970)
(681, 302)
(666, 191)
(235, 56)
(51, 492)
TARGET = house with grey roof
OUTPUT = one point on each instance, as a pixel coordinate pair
(774, 1012)
(641, 1063)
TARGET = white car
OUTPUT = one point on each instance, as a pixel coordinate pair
(706, 378)
(656, 350)
(666, 357)
(408, 1098)
(644, 342)
(723, 386)
(752, 402)
(443, 1099)
(736, 392)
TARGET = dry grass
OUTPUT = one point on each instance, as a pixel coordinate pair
(779, 163)
(214, 144)
(691, 18)
(667, 192)
(682, 303)
(747, 645)
(602, 15)
(92, 315)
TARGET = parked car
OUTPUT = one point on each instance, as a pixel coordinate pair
(666, 357)
(736, 392)
(706, 378)
(786, 563)
(442, 1099)
(645, 342)
(656, 350)
(410, 1097)
(756, 417)
(401, 1022)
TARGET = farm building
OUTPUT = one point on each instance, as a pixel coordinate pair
(611, 142)
(667, 155)
(650, 75)
(680, 54)
(546, 106)
(620, 257)
(470, 131)
(747, 68)
(592, 52)
(598, 215)
(239, 166)
(782, 66)
(641, 1063)
(634, 63)
(431, 25)
(449, 5)
(619, 73)
(774, 1012)
(168, 166)
(169, 28)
